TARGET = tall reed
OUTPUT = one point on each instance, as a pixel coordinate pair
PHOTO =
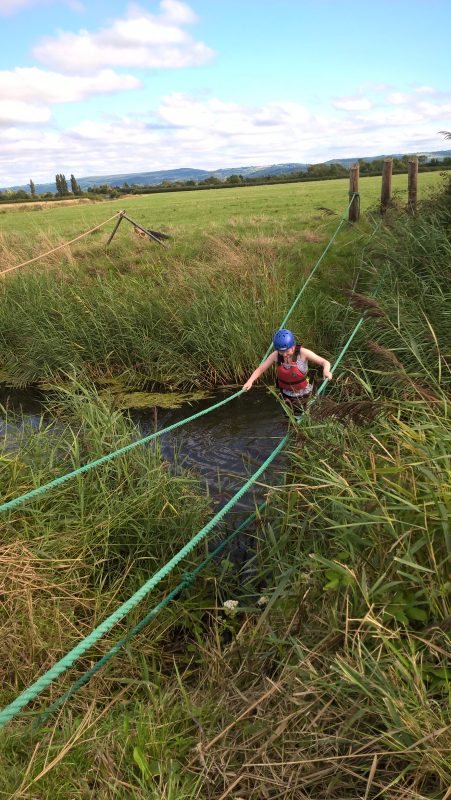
(329, 677)
(77, 550)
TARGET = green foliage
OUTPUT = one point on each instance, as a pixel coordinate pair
(75, 188)
(62, 189)
(338, 686)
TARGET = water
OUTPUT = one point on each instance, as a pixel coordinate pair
(226, 446)
(222, 448)
(27, 409)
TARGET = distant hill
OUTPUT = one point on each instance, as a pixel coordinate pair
(181, 174)
(188, 174)
(347, 162)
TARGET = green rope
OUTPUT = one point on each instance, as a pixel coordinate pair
(186, 583)
(32, 691)
(109, 456)
(308, 279)
(64, 663)
(17, 501)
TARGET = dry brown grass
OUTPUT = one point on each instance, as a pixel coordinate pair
(15, 249)
(313, 237)
(366, 305)
(74, 201)
(240, 255)
(40, 600)
(360, 412)
(289, 734)
(401, 375)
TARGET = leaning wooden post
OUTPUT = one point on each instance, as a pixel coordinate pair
(121, 217)
(386, 184)
(146, 231)
(354, 208)
(412, 185)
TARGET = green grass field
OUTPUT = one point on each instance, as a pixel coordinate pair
(216, 292)
(186, 213)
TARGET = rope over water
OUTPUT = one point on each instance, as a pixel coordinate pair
(32, 691)
(64, 663)
(17, 501)
(38, 686)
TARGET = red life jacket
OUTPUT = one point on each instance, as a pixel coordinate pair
(290, 379)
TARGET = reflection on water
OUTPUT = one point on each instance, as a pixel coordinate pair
(25, 406)
(222, 448)
(225, 447)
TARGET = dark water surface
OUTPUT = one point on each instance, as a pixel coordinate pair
(226, 446)
(222, 448)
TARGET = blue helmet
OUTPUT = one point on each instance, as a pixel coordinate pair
(283, 340)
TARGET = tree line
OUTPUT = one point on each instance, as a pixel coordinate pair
(62, 190)
(314, 172)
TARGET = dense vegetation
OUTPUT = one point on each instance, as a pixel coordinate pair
(335, 684)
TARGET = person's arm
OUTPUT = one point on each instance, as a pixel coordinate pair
(309, 355)
(260, 370)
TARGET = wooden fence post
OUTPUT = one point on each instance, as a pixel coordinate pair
(386, 184)
(121, 217)
(354, 208)
(412, 185)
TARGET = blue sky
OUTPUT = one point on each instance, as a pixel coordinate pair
(100, 87)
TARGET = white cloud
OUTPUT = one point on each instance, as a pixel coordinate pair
(17, 112)
(382, 87)
(31, 84)
(141, 40)
(398, 98)
(435, 110)
(178, 13)
(425, 90)
(211, 133)
(11, 6)
(389, 119)
(352, 103)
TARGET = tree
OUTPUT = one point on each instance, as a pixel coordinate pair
(76, 190)
(234, 179)
(32, 188)
(61, 185)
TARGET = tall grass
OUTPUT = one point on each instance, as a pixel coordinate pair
(355, 555)
(175, 324)
(331, 679)
(70, 555)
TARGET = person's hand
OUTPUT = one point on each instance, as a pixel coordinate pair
(248, 385)
(327, 375)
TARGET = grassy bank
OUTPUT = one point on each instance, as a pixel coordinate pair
(214, 296)
(331, 678)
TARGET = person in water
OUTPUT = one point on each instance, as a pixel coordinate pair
(291, 362)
